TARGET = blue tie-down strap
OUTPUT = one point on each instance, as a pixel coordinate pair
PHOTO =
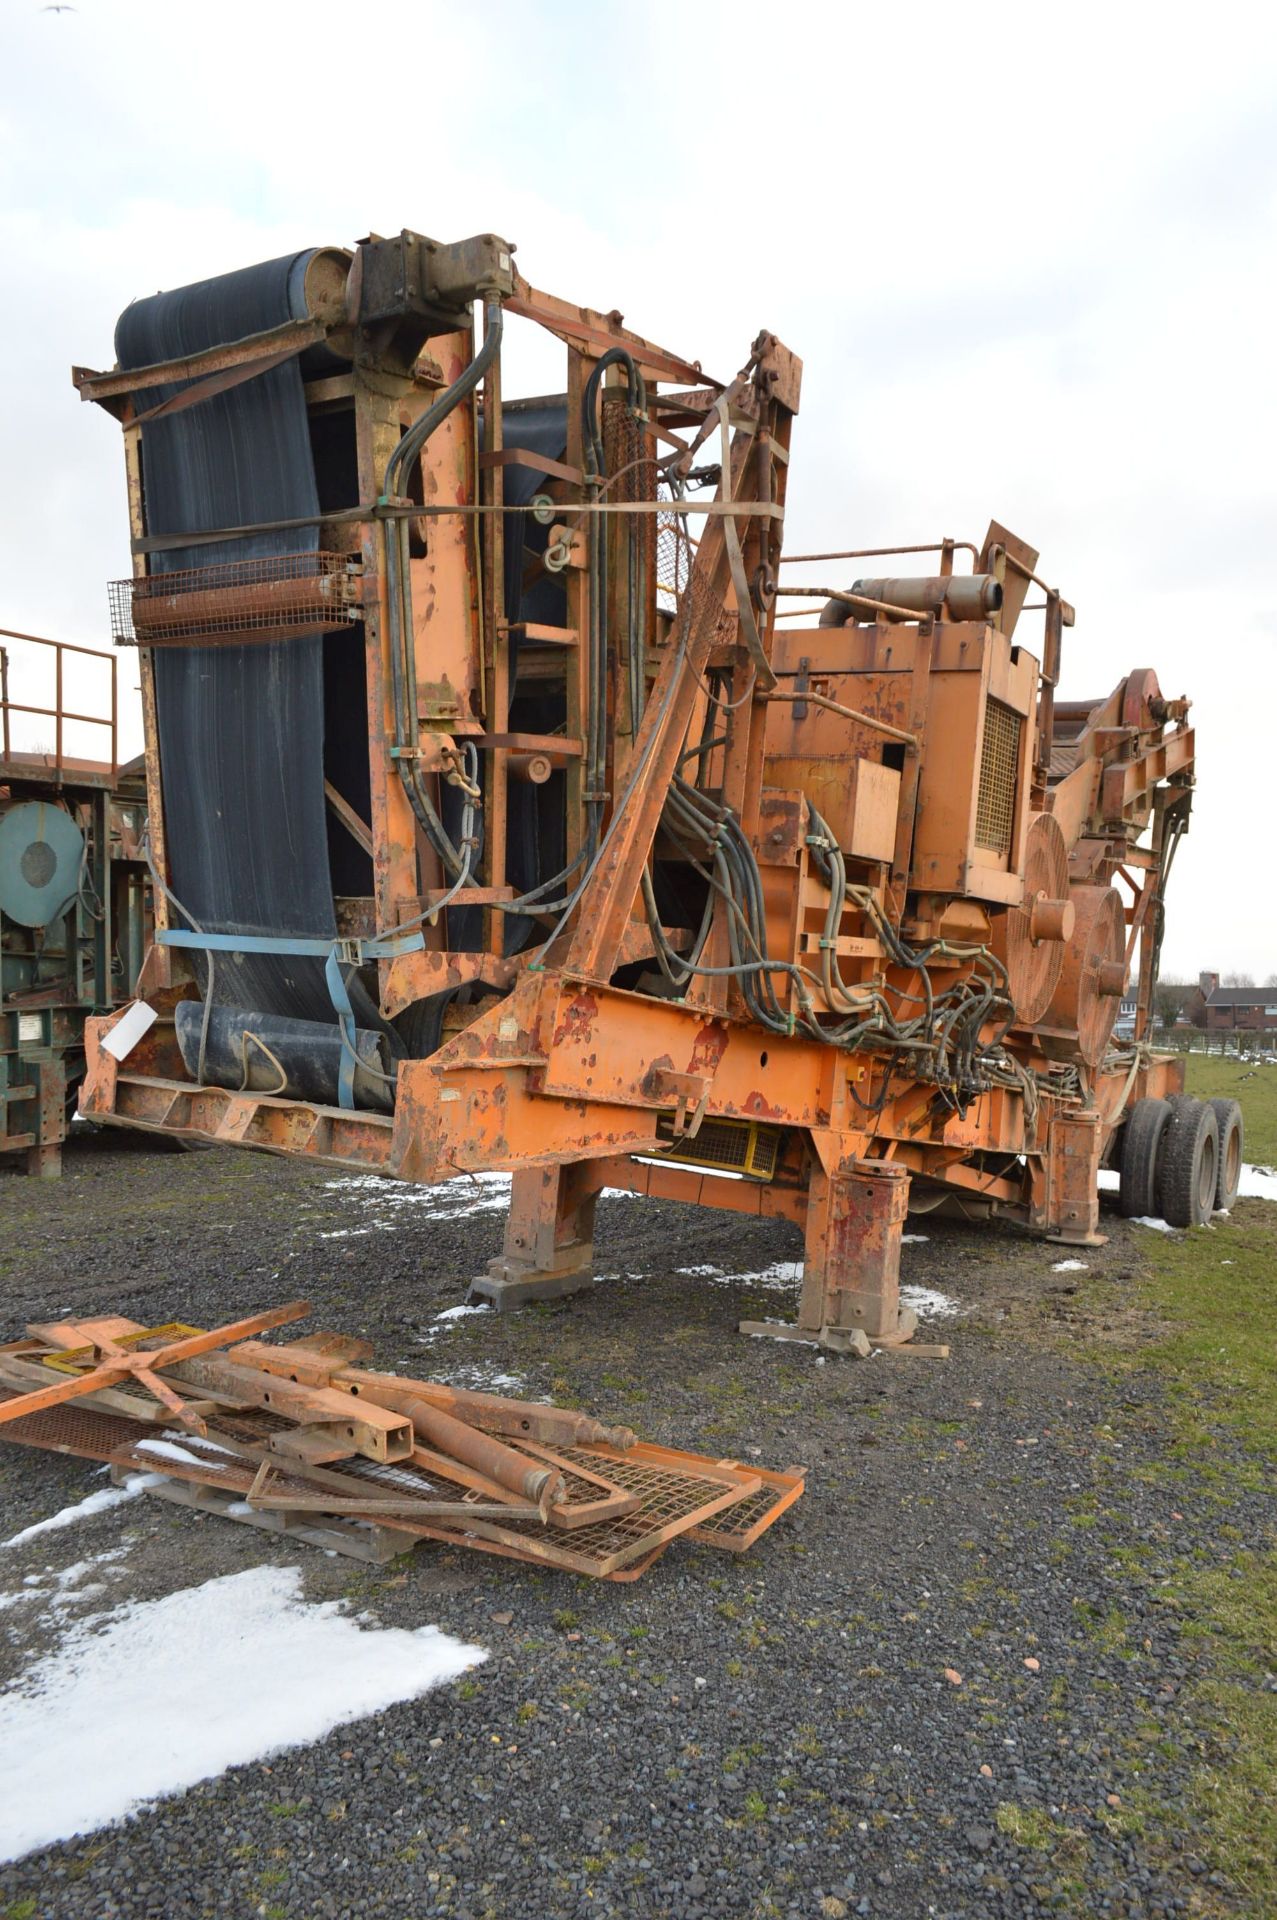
(335, 954)
(346, 1021)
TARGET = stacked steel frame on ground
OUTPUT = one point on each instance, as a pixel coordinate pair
(300, 1438)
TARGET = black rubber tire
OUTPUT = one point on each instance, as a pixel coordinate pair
(1232, 1151)
(1142, 1136)
(420, 1026)
(1190, 1160)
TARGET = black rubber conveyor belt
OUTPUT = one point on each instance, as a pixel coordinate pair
(241, 728)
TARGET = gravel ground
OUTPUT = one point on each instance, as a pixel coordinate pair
(779, 1734)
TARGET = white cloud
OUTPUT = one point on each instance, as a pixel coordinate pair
(1026, 258)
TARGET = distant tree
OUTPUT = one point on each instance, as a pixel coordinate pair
(1238, 980)
(1171, 999)
(1166, 1005)
(1271, 981)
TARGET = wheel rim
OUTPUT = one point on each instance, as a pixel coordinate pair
(1207, 1170)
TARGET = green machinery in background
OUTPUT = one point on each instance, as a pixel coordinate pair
(74, 893)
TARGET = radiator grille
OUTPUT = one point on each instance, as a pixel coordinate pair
(999, 764)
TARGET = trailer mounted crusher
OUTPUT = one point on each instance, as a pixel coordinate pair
(516, 802)
(74, 894)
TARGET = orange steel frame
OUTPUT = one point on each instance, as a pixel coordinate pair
(574, 1081)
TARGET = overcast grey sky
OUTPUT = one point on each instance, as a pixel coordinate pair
(1027, 256)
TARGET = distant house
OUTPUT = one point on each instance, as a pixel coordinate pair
(1124, 1025)
(1232, 1009)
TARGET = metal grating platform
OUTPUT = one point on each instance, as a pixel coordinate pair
(736, 1529)
(674, 1493)
(72, 1429)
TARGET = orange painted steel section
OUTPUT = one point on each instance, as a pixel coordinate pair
(980, 828)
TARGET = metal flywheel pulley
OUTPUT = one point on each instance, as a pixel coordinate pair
(1085, 1004)
(1030, 939)
(41, 853)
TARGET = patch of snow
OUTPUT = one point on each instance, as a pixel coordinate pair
(63, 1601)
(165, 1449)
(1147, 1220)
(930, 1305)
(100, 1502)
(780, 1278)
(481, 1379)
(715, 1273)
(237, 1669)
(1070, 1266)
(447, 1318)
(914, 1239)
(448, 1200)
(658, 1160)
(357, 1183)
(1108, 1180)
(70, 1576)
(792, 1340)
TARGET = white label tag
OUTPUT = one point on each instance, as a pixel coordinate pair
(30, 1027)
(129, 1029)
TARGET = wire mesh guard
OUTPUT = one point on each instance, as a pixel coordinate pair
(731, 1146)
(237, 601)
(999, 765)
(675, 551)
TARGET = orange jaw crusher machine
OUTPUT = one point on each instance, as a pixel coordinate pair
(497, 823)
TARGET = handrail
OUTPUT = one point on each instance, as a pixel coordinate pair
(57, 712)
(874, 553)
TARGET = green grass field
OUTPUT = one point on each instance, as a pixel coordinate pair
(1212, 1078)
(1216, 1291)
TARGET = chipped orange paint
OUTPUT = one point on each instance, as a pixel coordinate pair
(560, 1070)
(577, 1021)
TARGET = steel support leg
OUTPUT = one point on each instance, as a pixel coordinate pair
(1073, 1165)
(45, 1162)
(549, 1237)
(851, 1275)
